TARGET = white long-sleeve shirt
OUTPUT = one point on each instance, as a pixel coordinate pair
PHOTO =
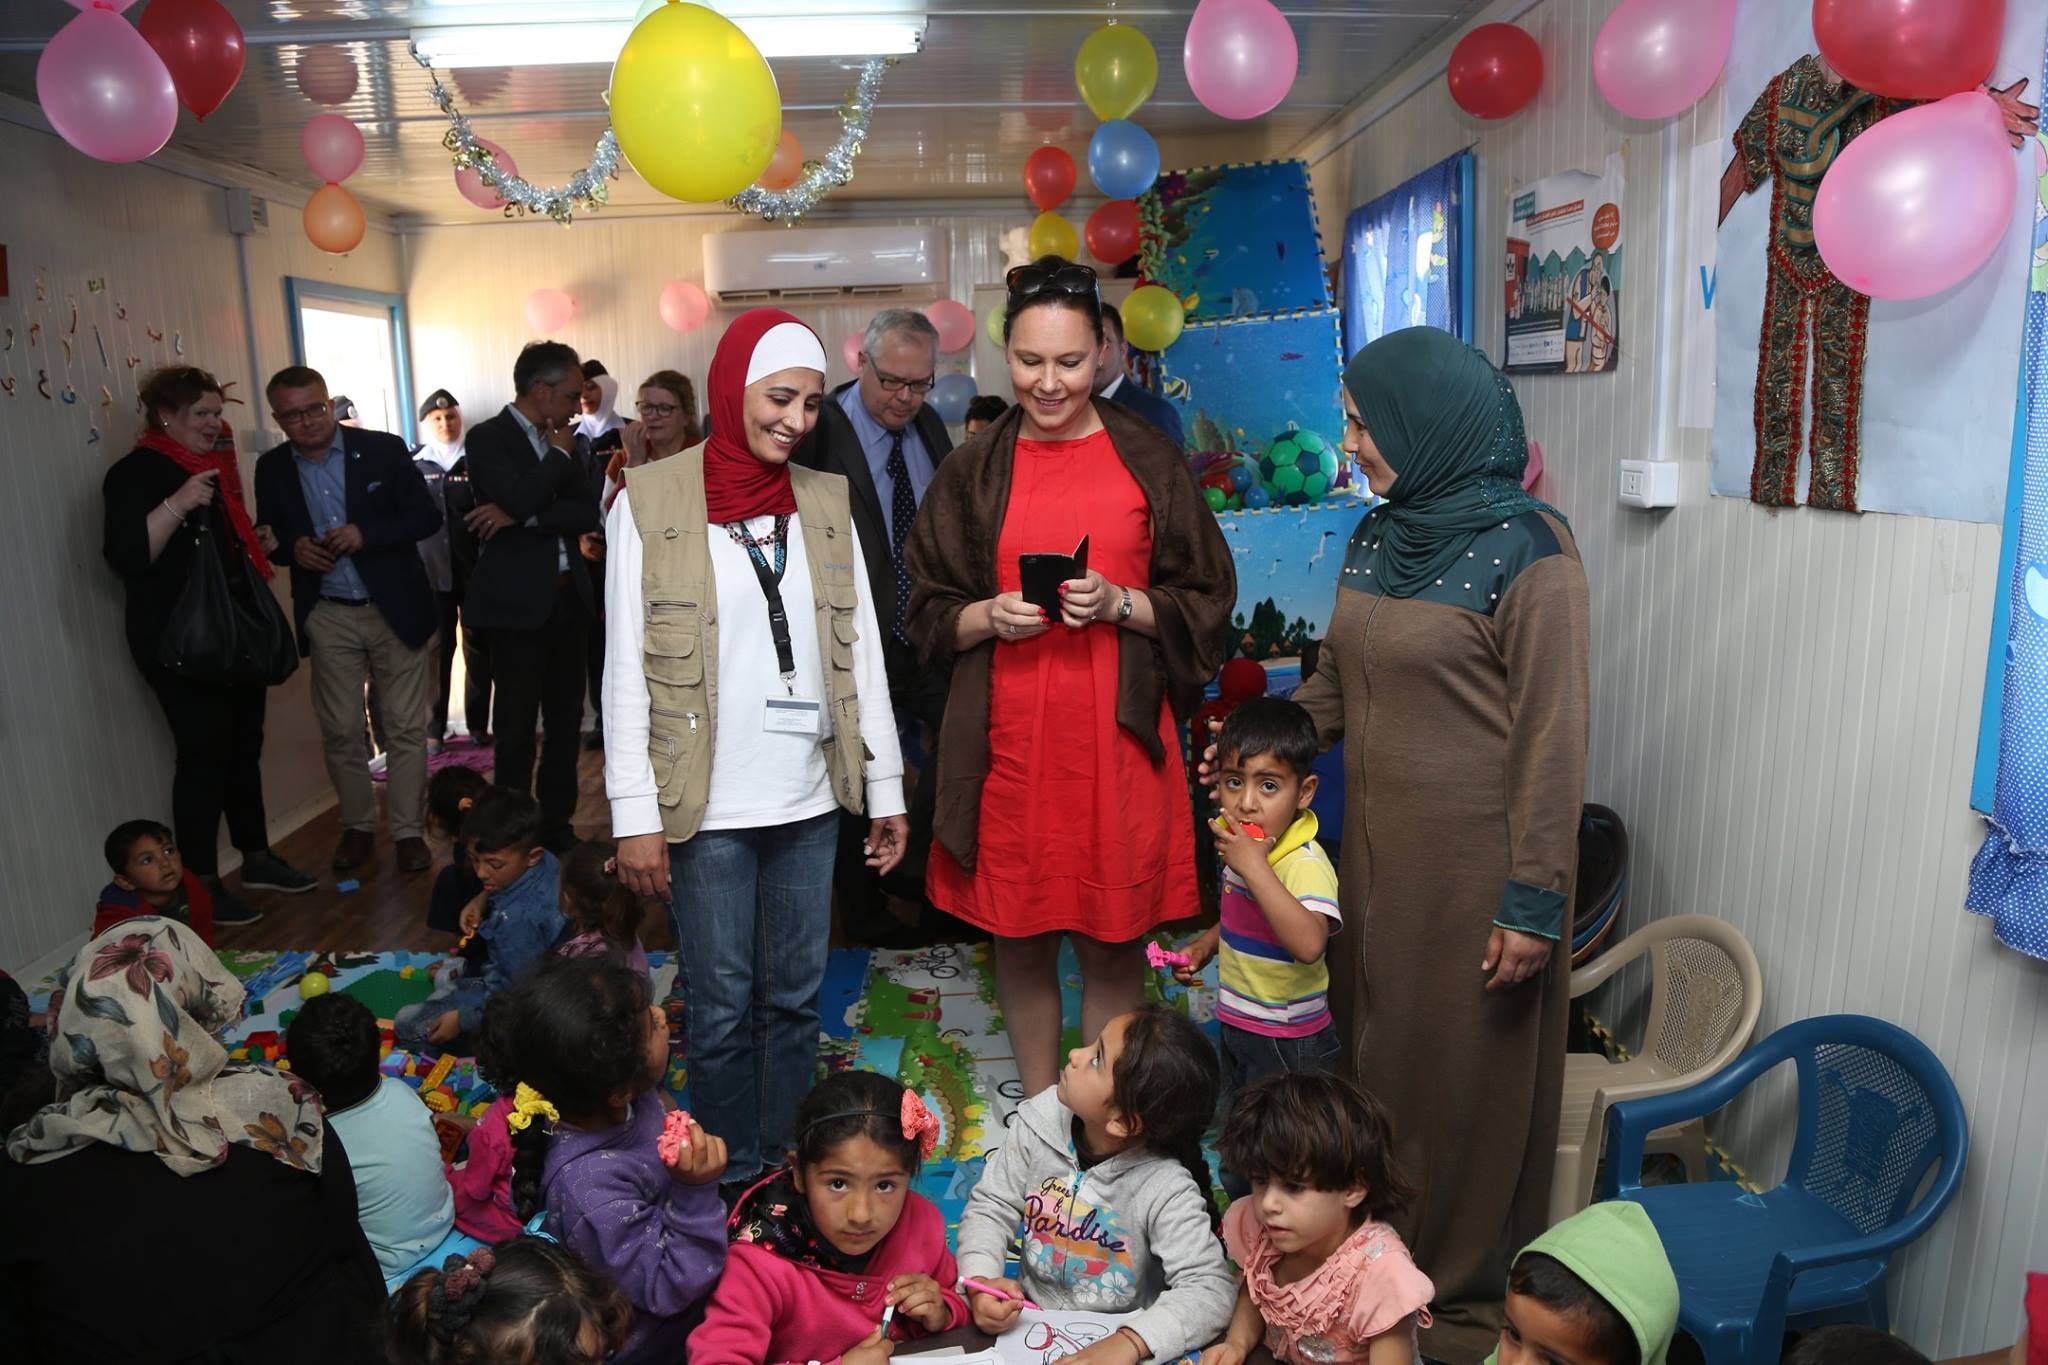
(757, 778)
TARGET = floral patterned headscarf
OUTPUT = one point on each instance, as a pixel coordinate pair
(140, 1067)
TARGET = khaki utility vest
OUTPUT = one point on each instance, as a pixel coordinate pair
(679, 603)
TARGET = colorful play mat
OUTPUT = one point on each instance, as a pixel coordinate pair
(927, 1017)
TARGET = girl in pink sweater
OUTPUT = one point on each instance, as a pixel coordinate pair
(824, 1246)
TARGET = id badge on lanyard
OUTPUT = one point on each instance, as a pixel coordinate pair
(788, 714)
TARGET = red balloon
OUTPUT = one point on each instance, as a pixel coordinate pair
(1910, 49)
(1112, 231)
(1048, 177)
(201, 44)
(1495, 70)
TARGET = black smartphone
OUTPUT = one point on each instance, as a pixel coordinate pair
(1042, 574)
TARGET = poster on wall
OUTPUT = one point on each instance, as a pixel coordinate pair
(1564, 254)
(1908, 405)
(1236, 240)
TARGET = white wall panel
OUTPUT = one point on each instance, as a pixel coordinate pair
(1785, 703)
(467, 288)
(82, 742)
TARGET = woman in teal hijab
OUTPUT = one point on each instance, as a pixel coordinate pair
(1454, 671)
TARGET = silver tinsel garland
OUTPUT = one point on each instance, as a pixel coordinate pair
(827, 173)
(589, 188)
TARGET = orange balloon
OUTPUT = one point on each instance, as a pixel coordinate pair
(785, 166)
(334, 220)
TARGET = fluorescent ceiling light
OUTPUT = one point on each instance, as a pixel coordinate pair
(598, 42)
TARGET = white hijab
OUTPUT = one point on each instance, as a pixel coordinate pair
(606, 418)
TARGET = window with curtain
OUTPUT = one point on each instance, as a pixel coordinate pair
(1407, 257)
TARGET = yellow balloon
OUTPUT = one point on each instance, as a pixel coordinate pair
(1052, 235)
(694, 105)
(993, 323)
(1116, 70)
(1153, 318)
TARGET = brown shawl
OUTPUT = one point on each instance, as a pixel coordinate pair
(951, 556)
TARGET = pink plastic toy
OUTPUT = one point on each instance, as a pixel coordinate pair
(1165, 958)
(675, 1136)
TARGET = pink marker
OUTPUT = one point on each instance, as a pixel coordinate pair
(990, 1289)
(1163, 958)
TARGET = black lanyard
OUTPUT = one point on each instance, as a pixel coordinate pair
(771, 588)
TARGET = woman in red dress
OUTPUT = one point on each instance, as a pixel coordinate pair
(1062, 802)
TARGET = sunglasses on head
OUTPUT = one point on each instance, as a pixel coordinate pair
(1026, 280)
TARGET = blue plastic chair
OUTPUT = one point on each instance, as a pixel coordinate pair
(1877, 1112)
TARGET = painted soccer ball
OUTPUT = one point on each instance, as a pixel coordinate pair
(1299, 467)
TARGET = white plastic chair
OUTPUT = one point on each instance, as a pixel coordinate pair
(1706, 991)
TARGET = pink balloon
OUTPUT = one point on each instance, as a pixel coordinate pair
(1240, 57)
(849, 351)
(89, 5)
(472, 185)
(327, 75)
(105, 90)
(1656, 58)
(1917, 202)
(333, 147)
(548, 310)
(684, 305)
(955, 322)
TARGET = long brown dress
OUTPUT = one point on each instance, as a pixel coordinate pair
(1463, 710)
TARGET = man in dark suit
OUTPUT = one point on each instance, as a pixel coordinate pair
(348, 508)
(879, 434)
(1113, 380)
(531, 589)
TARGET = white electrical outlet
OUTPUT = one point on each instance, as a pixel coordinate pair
(1649, 483)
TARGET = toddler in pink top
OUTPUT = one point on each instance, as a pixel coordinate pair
(1325, 1279)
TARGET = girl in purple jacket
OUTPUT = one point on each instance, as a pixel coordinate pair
(581, 1047)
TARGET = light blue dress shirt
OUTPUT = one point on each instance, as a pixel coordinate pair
(324, 482)
(875, 440)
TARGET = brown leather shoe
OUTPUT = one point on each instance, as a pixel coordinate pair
(357, 847)
(414, 855)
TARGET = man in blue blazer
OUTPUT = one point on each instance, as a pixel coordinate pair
(1113, 381)
(348, 509)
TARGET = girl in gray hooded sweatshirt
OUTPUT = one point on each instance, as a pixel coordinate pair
(1105, 1173)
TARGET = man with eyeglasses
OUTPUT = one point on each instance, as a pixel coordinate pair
(348, 509)
(881, 436)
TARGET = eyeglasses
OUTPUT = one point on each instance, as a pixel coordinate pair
(312, 412)
(896, 383)
(1026, 280)
(658, 409)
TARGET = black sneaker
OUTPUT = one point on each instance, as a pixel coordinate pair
(229, 909)
(267, 872)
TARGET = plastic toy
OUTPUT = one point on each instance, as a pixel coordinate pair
(1165, 959)
(350, 885)
(434, 1079)
(1244, 827)
(312, 984)
(440, 1101)
(675, 1136)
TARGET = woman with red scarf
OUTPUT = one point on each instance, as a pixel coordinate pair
(186, 461)
(745, 703)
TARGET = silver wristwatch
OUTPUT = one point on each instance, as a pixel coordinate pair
(1123, 608)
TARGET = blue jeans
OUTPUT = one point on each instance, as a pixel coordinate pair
(455, 990)
(1249, 1056)
(752, 910)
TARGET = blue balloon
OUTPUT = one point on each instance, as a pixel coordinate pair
(950, 396)
(1241, 477)
(1123, 160)
(1257, 497)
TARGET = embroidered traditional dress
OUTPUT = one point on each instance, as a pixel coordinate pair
(1791, 136)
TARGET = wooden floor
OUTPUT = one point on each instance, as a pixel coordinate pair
(389, 909)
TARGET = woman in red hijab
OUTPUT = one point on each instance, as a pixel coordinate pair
(185, 462)
(745, 703)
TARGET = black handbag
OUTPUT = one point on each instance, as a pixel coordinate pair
(211, 635)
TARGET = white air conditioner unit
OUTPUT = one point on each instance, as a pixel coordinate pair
(793, 264)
